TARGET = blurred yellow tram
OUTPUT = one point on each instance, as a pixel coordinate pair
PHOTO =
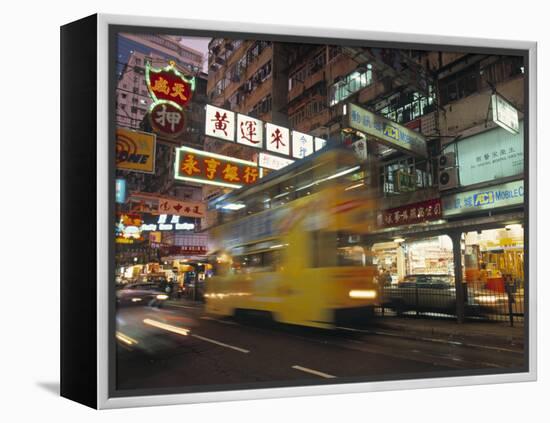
(289, 247)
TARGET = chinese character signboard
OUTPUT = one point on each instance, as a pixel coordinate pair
(302, 145)
(214, 169)
(135, 150)
(220, 123)
(181, 208)
(270, 161)
(171, 91)
(490, 155)
(504, 114)
(320, 143)
(166, 222)
(277, 139)
(169, 84)
(250, 131)
(166, 118)
(387, 132)
(411, 213)
(509, 194)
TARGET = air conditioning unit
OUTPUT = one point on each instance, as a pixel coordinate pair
(448, 178)
(447, 160)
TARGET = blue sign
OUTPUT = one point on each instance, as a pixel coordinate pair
(120, 191)
(511, 193)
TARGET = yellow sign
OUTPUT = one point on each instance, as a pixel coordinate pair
(135, 150)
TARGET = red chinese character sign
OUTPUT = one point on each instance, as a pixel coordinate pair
(167, 118)
(214, 169)
(411, 213)
(171, 92)
(220, 123)
(250, 131)
(277, 139)
(169, 84)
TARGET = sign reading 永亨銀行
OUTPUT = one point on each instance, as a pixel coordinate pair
(213, 169)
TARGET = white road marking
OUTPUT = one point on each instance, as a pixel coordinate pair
(221, 344)
(314, 372)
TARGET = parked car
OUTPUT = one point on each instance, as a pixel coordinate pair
(437, 293)
(149, 294)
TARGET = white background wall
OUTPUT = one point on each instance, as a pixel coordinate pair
(30, 209)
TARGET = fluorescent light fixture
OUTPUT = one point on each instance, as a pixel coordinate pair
(342, 173)
(233, 206)
(399, 240)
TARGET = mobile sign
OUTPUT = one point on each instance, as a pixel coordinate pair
(386, 131)
(509, 194)
(135, 150)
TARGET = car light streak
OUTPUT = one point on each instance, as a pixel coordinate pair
(167, 327)
(126, 339)
(363, 293)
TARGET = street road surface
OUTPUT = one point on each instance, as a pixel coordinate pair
(179, 346)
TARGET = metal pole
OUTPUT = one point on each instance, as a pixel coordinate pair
(459, 289)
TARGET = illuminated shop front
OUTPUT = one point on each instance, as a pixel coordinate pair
(494, 256)
(432, 255)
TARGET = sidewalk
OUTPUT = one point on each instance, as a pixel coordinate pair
(483, 333)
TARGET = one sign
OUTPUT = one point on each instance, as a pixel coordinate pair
(504, 114)
(269, 161)
(509, 194)
(490, 155)
(386, 132)
(135, 150)
(360, 149)
(250, 131)
(120, 191)
(302, 145)
(277, 139)
(412, 213)
(182, 208)
(166, 118)
(320, 143)
(220, 123)
(183, 250)
(169, 84)
(213, 169)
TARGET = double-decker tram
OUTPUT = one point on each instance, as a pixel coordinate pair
(289, 246)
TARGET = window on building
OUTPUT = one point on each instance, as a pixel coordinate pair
(297, 78)
(406, 175)
(350, 84)
(459, 85)
(404, 107)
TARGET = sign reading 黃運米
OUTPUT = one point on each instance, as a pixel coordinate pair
(386, 132)
(213, 169)
(411, 213)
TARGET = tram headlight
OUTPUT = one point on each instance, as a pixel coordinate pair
(162, 297)
(364, 294)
